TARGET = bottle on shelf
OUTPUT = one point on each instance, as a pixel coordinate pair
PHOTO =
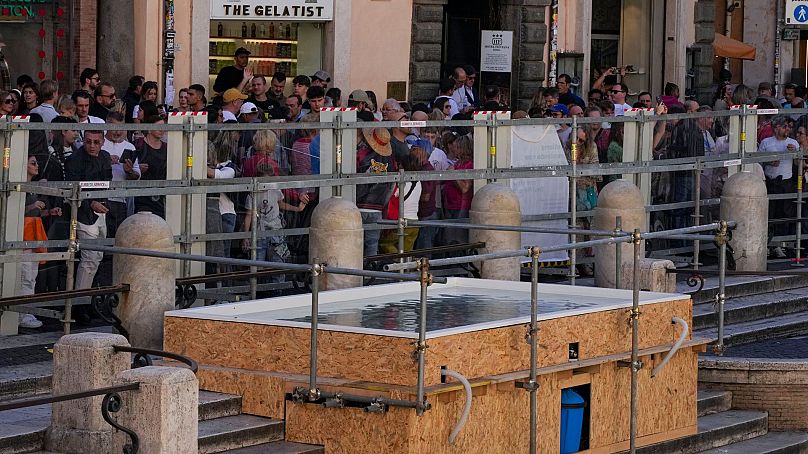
(271, 30)
(253, 29)
(243, 29)
(262, 30)
(294, 31)
(288, 31)
(219, 30)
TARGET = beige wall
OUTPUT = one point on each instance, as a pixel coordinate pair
(148, 40)
(367, 44)
(380, 45)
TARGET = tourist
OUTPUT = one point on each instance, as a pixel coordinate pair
(90, 163)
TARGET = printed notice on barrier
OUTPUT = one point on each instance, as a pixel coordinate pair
(496, 51)
(413, 124)
(732, 162)
(94, 184)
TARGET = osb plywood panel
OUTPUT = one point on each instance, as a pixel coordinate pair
(262, 394)
(666, 402)
(598, 334)
(389, 359)
(286, 350)
(499, 418)
(350, 430)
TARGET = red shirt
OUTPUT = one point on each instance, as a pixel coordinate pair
(453, 198)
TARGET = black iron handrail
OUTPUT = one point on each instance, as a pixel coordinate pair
(34, 401)
(110, 404)
(64, 294)
(142, 356)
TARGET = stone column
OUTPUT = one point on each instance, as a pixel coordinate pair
(163, 412)
(497, 204)
(336, 237)
(116, 47)
(745, 201)
(426, 50)
(527, 19)
(704, 18)
(83, 362)
(618, 198)
(151, 280)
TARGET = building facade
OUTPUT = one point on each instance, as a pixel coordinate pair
(402, 48)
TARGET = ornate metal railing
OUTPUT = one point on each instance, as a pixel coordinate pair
(110, 404)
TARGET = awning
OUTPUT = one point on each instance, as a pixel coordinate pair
(725, 46)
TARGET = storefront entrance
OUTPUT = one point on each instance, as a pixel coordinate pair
(281, 35)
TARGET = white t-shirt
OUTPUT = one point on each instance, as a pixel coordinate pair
(772, 145)
(118, 174)
(411, 202)
(227, 115)
(225, 204)
(269, 215)
(620, 109)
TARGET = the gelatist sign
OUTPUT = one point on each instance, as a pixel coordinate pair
(292, 10)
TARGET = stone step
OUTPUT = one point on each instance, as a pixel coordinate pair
(217, 405)
(231, 432)
(737, 286)
(280, 447)
(757, 330)
(771, 443)
(710, 402)
(748, 308)
(715, 430)
(23, 430)
(26, 380)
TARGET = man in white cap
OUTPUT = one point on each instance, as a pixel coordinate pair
(232, 100)
(248, 113)
(321, 79)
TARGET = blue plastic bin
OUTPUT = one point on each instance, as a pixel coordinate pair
(572, 419)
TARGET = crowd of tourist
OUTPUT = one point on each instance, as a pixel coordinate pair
(240, 96)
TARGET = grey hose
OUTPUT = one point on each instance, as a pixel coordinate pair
(466, 409)
(676, 346)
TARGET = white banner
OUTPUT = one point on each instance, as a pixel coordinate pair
(291, 10)
(533, 146)
(496, 51)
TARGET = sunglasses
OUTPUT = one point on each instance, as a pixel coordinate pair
(614, 92)
(10, 101)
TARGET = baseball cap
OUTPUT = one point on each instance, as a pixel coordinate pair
(248, 108)
(241, 51)
(560, 108)
(231, 94)
(359, 96)
(322, 75)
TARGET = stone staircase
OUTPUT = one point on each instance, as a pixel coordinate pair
(755, 310)
(222, 428)
(723, 430)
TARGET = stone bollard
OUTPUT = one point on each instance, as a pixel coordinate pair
(336, 237)
(163, 412)
(618, 198)
(151, 280)
(83, 362)
(654, 276)
(745, 201)
(497, 204)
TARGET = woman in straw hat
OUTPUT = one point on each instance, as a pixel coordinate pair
(374, 155)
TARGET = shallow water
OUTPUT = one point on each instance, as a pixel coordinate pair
(449, 308)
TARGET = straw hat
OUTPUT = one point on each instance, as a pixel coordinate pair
(379, 140)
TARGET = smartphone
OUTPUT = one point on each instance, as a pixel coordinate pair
(659, 100)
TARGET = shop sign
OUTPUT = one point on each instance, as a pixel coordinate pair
(20, 8)
(292, 10)
(796, 12)
(496, 51)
